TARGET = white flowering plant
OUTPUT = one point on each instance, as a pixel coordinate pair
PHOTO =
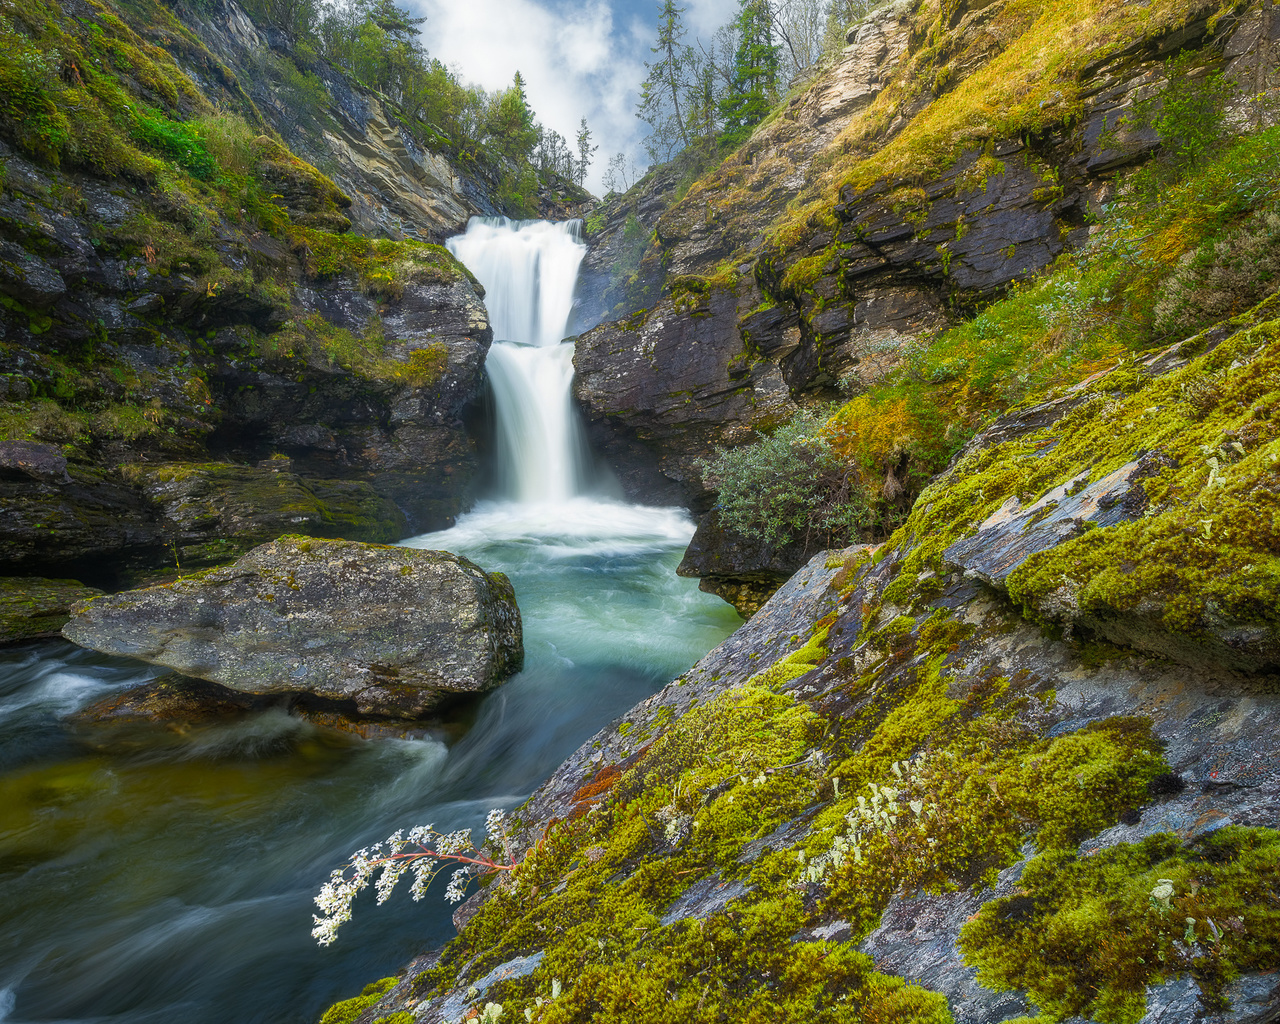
(422, 852)
(885, 812)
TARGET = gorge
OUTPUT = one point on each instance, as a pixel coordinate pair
(958, 376)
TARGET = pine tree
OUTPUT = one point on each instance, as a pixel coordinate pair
(662, 90)
(585, 152)
(753, 88)
(509, 122)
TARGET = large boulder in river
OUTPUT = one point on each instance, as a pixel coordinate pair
(396, 631)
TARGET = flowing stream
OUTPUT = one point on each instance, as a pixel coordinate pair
(152, 876)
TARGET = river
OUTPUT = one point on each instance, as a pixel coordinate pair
(153, 876)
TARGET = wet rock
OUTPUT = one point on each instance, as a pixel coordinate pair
(742, 570)
(662, 394)
(93, 526)
(396, 631)
(28, 278)
(180, 703)
(33, 608)
(43, 462)
(211, 512)
(174, 702)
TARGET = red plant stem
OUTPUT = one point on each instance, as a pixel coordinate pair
(484, 862)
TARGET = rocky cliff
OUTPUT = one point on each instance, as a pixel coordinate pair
(1018, 763)
(952, 151)
(205, 340)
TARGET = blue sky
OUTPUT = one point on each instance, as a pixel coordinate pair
(578, 59)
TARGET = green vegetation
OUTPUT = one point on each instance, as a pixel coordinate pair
(929, 780)
(1157, 272)
(382, 266)
(1088, 935)
(315, 341)
(378, 44)
(790, 485)
(348, 1010)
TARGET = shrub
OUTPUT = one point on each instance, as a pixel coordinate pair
(787, 485)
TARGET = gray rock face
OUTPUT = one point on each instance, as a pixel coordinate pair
(1013, 534)
(662, 394)
(397, 631)
(28, 278)
(31, 459)
(744, 571)
(183, 379)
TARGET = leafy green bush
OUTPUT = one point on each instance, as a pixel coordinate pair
(180, 142)
(787, 485)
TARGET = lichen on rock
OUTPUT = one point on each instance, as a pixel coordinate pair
(397, 631)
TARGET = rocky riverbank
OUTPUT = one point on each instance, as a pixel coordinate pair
(919, 787)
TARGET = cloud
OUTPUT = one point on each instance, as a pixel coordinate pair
(576, 59)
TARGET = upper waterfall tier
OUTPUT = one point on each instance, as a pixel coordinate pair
(529, 270)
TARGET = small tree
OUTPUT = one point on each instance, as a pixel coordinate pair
(585, 152)
(800, 25)
(664, 87)
(620, 174)
(753, 88)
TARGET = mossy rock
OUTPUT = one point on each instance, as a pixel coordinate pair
(33, 608)
(395, 631)
(216, 511)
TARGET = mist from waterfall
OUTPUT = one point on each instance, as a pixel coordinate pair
(529, 270)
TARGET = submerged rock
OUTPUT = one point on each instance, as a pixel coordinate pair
(397, 631)
(180, 705)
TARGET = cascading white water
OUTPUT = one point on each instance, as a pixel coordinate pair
(529, 270)
(91, 931)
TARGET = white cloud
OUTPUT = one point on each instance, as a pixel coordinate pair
(705, 16)
(576, 62)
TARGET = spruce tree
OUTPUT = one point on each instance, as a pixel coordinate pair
(754, 85)
(662, 91)
(585, 152)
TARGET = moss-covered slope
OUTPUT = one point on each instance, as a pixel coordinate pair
(927, 783)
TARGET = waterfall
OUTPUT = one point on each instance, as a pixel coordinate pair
(529, 270)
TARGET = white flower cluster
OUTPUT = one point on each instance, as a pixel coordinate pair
(879, 814)
(422, 852)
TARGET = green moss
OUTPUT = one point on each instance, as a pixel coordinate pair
(797, 663)
(348, 1010)
(1088, 935)
(427, 365)
(382, 266)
